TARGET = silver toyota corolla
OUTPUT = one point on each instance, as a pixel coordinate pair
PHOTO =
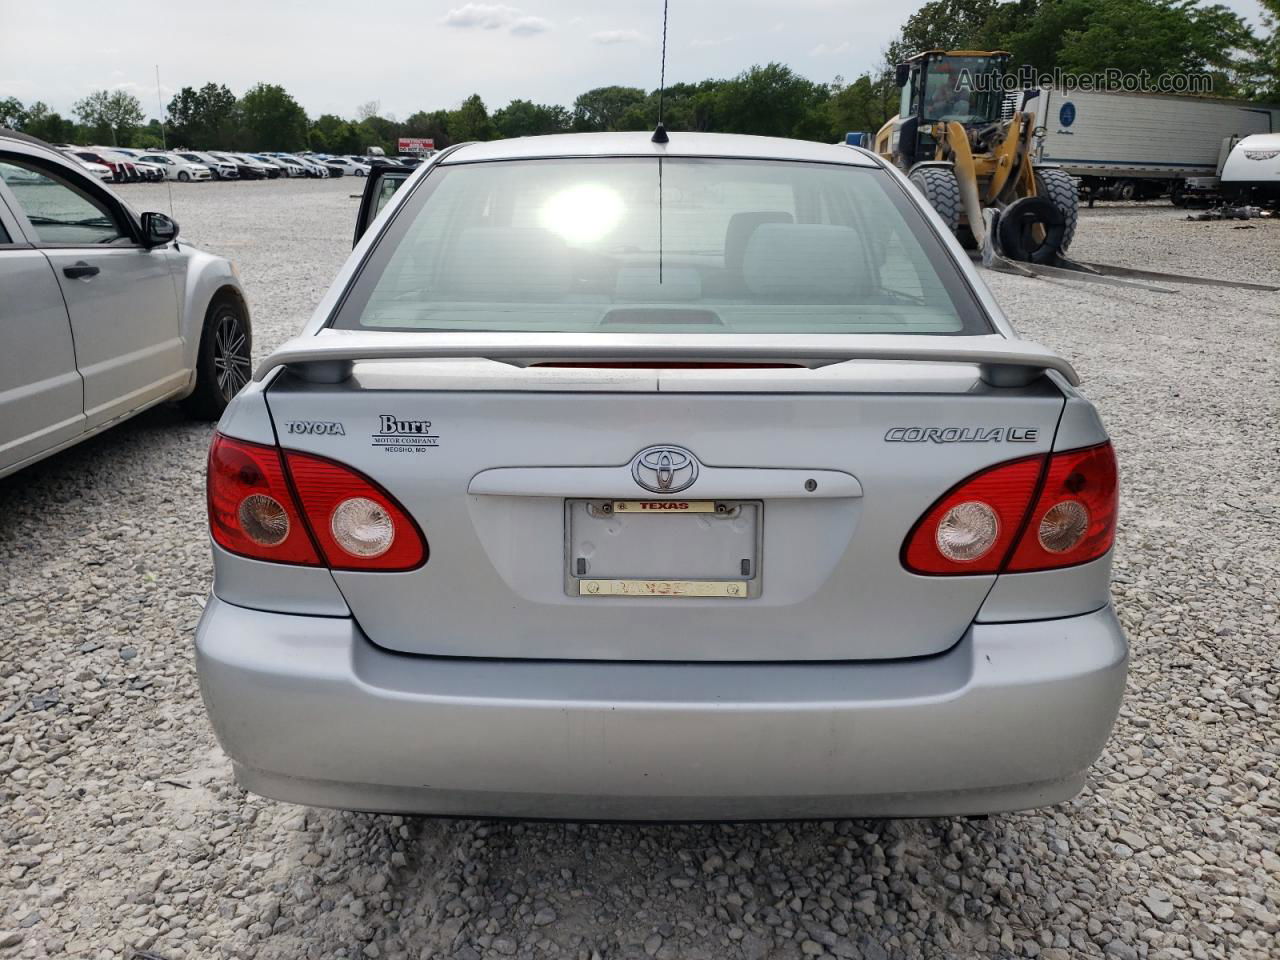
(687, 480)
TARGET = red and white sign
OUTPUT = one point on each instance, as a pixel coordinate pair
(416, 144)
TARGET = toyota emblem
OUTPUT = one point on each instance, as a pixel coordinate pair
(664, 469)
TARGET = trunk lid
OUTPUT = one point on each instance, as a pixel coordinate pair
(502, 466)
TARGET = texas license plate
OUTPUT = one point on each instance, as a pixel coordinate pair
(663, 548)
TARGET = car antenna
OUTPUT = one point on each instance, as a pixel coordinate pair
(660, 132)
(164, 142)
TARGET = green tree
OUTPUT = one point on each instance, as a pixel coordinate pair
(51, 127)
(859, 106)
(945, 25)
(12, 113)
(771, 101)
(685, 106)
(204, 118)
(1158, 36)
(110, 113)
(272, 119)
(434, 125)
(524, 118)
(376, 131)
(471, 121)
(332, 134)
(1265, 65)
(604, 107)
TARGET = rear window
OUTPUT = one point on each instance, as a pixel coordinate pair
(653, 245)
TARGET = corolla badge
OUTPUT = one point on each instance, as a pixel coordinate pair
(664, 469)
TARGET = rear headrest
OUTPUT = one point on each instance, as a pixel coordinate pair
(507, 263)
(741, 226)
(807, 261)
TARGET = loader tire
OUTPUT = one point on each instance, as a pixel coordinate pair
(1060, 187)
(941, 188)
(1031, 229)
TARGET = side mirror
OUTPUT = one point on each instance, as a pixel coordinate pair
(902, 75)
(157, 230)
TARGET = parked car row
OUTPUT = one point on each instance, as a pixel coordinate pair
(130, 165)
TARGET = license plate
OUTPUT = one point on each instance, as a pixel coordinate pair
(663, 588)
(663, 548)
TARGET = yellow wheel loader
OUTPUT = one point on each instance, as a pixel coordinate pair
(954, 140)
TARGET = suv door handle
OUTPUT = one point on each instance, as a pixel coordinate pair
(80, 270)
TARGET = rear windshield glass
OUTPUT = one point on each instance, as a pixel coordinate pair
(648, 245)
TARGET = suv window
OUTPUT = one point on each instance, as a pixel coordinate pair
(59, 211)
(634, 244)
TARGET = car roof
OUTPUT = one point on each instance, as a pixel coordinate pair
(727, 145)
(33, 146)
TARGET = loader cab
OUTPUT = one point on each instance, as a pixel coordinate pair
(942, 86)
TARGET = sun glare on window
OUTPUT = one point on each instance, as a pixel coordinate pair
(582, 214)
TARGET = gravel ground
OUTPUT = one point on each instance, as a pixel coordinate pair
(122, 829)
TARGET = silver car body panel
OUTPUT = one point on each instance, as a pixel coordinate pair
(41, 392)
(482, 684)
(506, 544)
(135, 326)
(312, 712)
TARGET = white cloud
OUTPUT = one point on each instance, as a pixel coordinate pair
(826, 50)
(616, 36)
(528, 26)
(495, 16)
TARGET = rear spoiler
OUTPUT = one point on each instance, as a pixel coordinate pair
(329, 356)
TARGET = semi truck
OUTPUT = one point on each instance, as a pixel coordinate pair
(1125, 146)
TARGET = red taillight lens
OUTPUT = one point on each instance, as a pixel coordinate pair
(936, 544)
(282, 507)
(987, 523)
(251, 510)
(358, 525)
(1074, 520)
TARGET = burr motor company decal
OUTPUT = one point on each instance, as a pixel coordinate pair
(397, 435)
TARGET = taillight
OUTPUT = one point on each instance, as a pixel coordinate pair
(1074, 520)
(358, 525)
(251, 509)
(988, 523)
(305, 510)
(942, 542)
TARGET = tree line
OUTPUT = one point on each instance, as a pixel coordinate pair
(1073, 36)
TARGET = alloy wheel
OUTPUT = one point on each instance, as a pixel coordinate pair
(230, 354)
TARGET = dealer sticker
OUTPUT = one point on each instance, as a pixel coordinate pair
(397, 435)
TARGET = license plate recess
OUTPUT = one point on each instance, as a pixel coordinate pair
(663, 548)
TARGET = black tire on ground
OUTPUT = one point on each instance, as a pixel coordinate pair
(941, 188)
(223, 364)
(184, 176)
(1018, 229)
(1060, 187)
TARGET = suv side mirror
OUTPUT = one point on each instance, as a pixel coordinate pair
(157, 230)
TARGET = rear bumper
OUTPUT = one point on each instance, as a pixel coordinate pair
(312, 712)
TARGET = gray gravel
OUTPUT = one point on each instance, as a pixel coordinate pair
(122, 830)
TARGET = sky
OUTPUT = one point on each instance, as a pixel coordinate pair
(334, 55)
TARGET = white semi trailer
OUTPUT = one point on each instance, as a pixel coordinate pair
(1125, 146)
